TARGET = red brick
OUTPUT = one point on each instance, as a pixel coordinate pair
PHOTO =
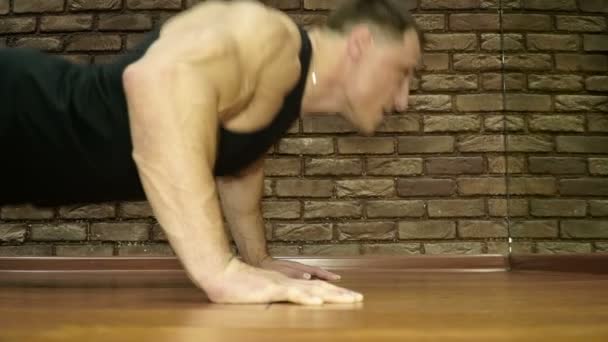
(552, 5)
(401, 208)
(321, 146)
(532, 186)
(282, 167)
(474, 22)
(501, 123)
(595, 42)
(305, 188)
(154, 4)
(84, 5)
(513, 207)
(449, 4)
(59, 232)
(582, 144)
(450, 42)
(482, 229)
(479, 102)
(481, 143)
(600, 6)
(581, 23)
(365, 188)
(332, 250)
(135, 209)
(281, 209)
(535, 229)
(482, 186)
(428, 144)
(430, 103)
(584, 229)
(427, 229)
(473, 248)
(28, 212)
(454, 165)
(449, 82)
(94, 42)
(475, 62)
(13, 232)
(498, 42)
(526, 22)
(558, 208)
(334, 209)
(26, 250)
(17, 25)
(124, 22)
(333, 167)
(399, 124)
(40, 43)
(584, 187)
(411, 187)
(283, 4)
(553, 42)
(528, 62)
(588, 62)
(557, 123)
(56, 23)
(303, 232)
(125, 231)
(394, 166)
(84, 211)
(430, 22)
(37, 6)
(500, 164)
(366, 145)
(555, 165)
(366, 231)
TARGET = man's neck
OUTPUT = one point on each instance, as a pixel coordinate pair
(323, 93)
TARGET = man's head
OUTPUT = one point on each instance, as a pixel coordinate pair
(382, 47)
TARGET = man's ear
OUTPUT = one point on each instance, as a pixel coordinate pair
(359, 40)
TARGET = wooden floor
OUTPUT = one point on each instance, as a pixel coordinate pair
(399, 306)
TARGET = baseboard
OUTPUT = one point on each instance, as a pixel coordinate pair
(168, 271)
(402, 263)
(577, 263)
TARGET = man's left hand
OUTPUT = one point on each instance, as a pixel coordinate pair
(296, 270)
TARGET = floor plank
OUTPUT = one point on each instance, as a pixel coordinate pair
(399, 306)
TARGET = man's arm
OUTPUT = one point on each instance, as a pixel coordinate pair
(241, 202)
(173, 118)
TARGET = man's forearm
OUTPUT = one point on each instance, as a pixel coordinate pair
(249, 233)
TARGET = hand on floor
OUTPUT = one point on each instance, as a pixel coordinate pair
(296, 270)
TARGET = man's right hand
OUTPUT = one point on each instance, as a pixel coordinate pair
(240, 283)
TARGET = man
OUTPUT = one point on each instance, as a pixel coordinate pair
(186, 121)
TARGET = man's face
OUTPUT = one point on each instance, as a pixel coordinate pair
(379, 76)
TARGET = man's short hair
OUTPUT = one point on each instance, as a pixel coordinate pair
(390, 16)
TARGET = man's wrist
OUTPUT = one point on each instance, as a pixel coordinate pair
(256, 259)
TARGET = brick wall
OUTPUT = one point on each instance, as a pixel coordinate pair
(465, 169)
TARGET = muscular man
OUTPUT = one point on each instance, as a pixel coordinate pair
(185, 121)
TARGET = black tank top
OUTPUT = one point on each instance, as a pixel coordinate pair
(64, 129)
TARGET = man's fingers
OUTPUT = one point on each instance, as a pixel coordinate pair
(316, 271)
(323, 274)
(332, 294)
(301, 296)
(295, 273)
